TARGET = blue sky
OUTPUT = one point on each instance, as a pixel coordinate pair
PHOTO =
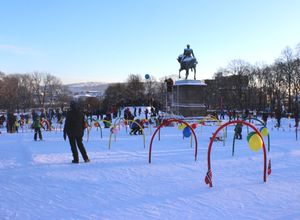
(105, 41)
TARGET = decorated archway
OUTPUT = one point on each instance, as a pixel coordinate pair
(208, 177)
(111, 133)
(167, 121)
(119, 120)
(262, 124)
(97, 124)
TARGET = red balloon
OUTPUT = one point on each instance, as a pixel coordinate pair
(194, 126)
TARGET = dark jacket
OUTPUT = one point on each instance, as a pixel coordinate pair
(74, 125)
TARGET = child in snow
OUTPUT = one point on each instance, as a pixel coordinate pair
(136, 127)
(37, 128)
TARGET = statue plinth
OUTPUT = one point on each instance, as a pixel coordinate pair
(188, 98)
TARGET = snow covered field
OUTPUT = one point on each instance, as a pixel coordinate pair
(37, 180)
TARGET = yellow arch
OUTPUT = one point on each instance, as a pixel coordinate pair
(120, 119)
(119, 122)
(109, 144)
(219, 123)
(211, 118)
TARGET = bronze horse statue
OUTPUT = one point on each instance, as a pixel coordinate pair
(187, 64)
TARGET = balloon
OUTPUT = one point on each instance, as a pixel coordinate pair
(186, 132)
(194, 125)
(147, 76)
(254, 141)
(250, 135)
(181, 126)
(264, 131)
(114, 130)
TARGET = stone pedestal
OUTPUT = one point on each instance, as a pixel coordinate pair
(188, 98)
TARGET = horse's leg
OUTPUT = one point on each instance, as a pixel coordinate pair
(179, 74)
(186, 73)
(194, 73)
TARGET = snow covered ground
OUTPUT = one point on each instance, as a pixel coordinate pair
(37, 180)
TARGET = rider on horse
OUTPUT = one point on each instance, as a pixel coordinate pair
(187, 61)
(187, 53)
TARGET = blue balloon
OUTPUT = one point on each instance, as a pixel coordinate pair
(147, 76)
(187, 132)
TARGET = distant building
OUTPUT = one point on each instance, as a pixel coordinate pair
(227, 91)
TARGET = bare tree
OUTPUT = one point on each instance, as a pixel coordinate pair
(45, 86)
(135, 89)
(115, 95)
(36, 86)
(288, 69)
(9, 90)
(238, 67)
(53, 88)
(25, 95)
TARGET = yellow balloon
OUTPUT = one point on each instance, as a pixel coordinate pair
(181, 126)
(255, 142)
(264, 132)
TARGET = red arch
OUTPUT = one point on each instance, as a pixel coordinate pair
(208, 178)
(169, 121)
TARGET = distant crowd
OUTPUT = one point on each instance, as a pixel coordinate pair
(14, 122)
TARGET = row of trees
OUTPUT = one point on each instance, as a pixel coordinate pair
(24, 91)
(134, 92)
(237, 86)
(259, 86)
(20, 92)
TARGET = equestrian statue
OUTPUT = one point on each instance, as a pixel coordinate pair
(187, 62)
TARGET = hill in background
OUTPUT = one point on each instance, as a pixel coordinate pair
(87, 86)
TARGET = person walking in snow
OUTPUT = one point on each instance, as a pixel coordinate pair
(278, 116)
(238, 131)
(74, 129)
(37, 128)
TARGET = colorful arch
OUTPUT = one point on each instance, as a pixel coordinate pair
(208, 177)
(98, 121)
(119, 122)
(210, 118)
(263, 124)
(106, 121)
(109, 144)
(120, 119)
(169, 121)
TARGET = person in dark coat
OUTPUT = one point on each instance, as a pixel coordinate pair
(238, 131)
(10, 122)
(74, 128)
(278, 116)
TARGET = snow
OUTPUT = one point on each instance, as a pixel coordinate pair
(37, 180)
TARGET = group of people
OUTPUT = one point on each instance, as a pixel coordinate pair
(75, 124)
